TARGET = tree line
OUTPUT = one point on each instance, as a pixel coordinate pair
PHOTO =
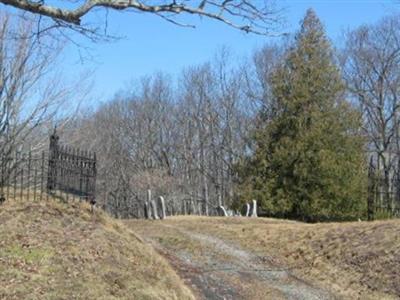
(294, 126)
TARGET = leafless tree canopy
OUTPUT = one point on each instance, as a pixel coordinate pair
(181, 141)
(32, 92)
(260, 17)
(184, 139)
(23, 63)
(372, 71)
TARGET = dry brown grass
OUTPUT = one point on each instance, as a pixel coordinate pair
(359, 260)
(53, 250)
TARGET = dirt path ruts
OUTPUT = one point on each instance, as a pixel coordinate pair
(222, 270)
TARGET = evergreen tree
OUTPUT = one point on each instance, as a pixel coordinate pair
(308, 162)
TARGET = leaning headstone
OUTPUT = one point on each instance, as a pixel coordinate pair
(222, 211)
(162, 206)
(247, 209)
(254, 209)
(154, 209)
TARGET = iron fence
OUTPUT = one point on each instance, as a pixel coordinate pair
(63, 172)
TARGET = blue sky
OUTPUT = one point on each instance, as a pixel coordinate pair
(150, 44)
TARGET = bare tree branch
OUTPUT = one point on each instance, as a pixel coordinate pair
(261, 18)
(32, 92)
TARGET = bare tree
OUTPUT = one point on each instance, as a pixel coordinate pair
(31, 91)
(260, 17)
(372, 71)
(257, 76)
(181, 143)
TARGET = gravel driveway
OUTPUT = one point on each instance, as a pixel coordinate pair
(217, 269)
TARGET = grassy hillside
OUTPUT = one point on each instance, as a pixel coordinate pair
(52, 250)
(359, 260)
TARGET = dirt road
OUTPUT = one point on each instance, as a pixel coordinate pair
(215, 268)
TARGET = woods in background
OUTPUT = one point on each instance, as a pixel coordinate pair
(182, 143)
(293, 126)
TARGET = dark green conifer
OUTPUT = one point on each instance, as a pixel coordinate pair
(308, 162)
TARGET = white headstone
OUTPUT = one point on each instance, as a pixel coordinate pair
(223, 210)
(154, 209)
(162, 205)
(247, 209)
(148, 205)
(147, 212)
(254, 209)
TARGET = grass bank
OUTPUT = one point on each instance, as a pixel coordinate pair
(55, 250)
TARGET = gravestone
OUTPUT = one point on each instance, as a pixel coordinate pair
(162, 206)
(254, 209)
(247, 209)
(222, 211)
(154, 209)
